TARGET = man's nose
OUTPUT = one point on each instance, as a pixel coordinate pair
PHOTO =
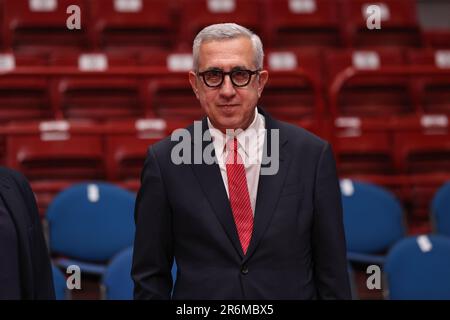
(227, 89)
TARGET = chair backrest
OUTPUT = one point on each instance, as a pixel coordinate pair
(440, 210)
(418, 268)
(91, 222)
(117, 278)
(372, 217)
(132, 25)
(422, 152)
(295, 23)
(117, 281)
(59, 282)
(197, 14)
(41, 26)
(399, 25)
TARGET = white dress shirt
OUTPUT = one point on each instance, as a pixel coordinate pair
(250, 148)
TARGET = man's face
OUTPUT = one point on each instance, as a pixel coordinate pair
(228, 106)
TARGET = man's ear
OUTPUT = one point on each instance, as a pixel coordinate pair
(193, 82)
(262, 80)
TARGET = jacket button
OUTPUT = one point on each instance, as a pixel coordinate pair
(244, 270)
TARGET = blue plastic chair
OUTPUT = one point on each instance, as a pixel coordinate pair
(373, 221)
(117, 283)
(419, 268)
(59, 282)
(89, 223)
(440, 210)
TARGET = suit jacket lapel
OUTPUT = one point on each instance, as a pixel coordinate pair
(19, 215)
(269, 186)
(211, 181)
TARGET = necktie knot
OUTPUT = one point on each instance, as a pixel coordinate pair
(232, 149)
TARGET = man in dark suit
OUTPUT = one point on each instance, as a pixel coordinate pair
(261, 221)
(25, 271)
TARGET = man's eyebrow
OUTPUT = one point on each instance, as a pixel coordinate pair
(239, 68)
(220, 69)
(213, 69)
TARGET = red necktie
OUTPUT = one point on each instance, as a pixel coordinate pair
(239, 195)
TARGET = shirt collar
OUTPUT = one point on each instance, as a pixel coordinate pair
(247, 139)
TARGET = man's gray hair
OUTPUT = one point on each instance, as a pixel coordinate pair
(226, 31)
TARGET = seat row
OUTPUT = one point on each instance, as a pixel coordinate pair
(41, 25)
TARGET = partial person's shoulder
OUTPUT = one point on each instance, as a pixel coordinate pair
(8, 174)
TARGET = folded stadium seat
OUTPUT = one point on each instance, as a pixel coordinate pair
(194, 15)
(23, 97)
(421, 153)
(398, 23)
(117, 283)
(440, 209)
(371, 102)
(127, 143)
(52, 155)
(416, 268)
(433, 91)
(370, 153)
(133, 25)
(97, 97)
(294, 23)
(373, 221)
(292, 98)
(41, 25)
(170, 96)
(437, 39)
(92, 232)
(425, 158)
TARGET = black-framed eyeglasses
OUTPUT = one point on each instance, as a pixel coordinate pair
(213, 78)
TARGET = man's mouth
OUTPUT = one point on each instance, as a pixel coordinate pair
(228, 105)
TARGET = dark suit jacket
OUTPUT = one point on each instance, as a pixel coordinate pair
(35, 271)
(297, 250)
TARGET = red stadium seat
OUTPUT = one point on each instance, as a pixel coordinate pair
(291, 98)
(174, 100)
(425, 160)
(432, 92)
(170, 96)
(294, 23)
(43, 153)
(97, 98)
(419, 153)
(133, 25)
(53, 155)
(23, 97)
(381, 101)
(366, 154)
(41, 25)
(438, 39)
(399, 25)
(127, 143)
(197, 14)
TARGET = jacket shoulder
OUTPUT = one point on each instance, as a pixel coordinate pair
(10, 174)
